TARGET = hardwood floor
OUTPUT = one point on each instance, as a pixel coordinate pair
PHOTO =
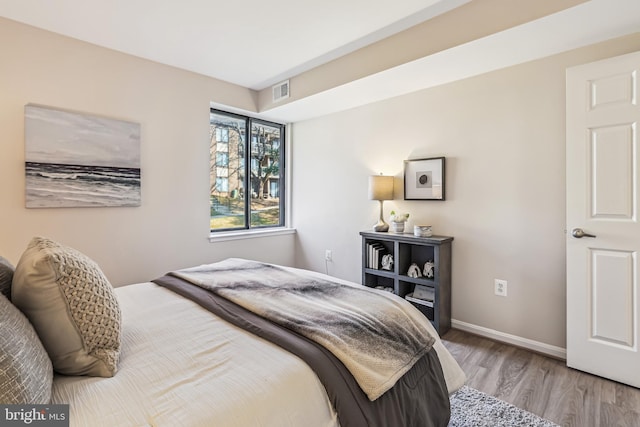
(543, 385)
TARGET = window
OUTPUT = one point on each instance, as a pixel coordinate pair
(222, 135)
(222, 184)
(241, 200)
(222, 159)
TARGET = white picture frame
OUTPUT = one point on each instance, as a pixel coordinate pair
(424, 179)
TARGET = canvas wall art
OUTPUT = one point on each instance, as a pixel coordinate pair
(80, 160)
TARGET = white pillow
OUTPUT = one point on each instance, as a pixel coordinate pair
(72, 307)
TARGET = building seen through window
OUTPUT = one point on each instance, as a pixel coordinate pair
(246, 185)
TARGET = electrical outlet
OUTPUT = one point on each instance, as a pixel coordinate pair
(500, 287)
(328, 255)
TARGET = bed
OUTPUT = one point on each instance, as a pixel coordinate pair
(179, 364)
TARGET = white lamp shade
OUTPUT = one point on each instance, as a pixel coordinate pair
(380, 187)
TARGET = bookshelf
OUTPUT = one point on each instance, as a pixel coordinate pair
(405, 250)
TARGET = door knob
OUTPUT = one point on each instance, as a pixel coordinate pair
(579, 233)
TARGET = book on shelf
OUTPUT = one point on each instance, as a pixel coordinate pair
(375, 252)
(424, 292)
(409, 297)
(368, 257)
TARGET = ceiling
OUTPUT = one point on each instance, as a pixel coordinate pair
(256, 43)
(252, 43)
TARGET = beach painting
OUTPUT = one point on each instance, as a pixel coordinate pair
(80, 160)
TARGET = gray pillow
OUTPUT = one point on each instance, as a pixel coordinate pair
(72, 307)
(26, 373)
(6, 276)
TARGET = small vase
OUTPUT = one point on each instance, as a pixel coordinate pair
(397, 227)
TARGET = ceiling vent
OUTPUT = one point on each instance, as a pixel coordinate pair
(280, 91)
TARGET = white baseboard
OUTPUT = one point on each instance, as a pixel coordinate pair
(539, 347)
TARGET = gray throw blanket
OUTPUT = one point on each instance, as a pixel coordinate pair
(377, 337)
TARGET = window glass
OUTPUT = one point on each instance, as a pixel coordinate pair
(227, 205)
(231, 206)
(265, 174)
(222, 160)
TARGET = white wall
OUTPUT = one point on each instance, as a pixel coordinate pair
(503, 137)
(170, 229)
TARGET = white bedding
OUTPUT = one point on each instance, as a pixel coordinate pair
(183, 366)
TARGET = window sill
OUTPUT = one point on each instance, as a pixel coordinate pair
(249, 234)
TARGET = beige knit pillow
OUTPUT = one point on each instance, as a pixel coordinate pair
(72, 307)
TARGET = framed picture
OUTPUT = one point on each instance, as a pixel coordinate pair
(80, 160)
(424, 179)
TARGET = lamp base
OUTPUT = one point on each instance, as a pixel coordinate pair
(381, 226)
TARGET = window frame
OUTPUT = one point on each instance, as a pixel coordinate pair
(283, 194)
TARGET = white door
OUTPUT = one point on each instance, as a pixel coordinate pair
(603, 296)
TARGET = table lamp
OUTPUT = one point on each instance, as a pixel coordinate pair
(381, 189)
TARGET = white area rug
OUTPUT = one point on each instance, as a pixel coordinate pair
(472, 408)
